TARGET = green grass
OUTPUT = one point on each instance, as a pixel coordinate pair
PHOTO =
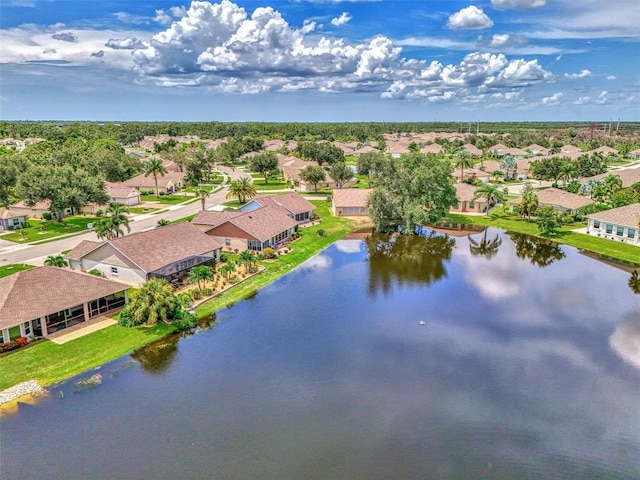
(206, 188)
(52, 229)
(305, 247)
(510, 222)
(49, 363)
(7, 270)
(141, 210)
(166, 199)
(272, 185)
(363, 181)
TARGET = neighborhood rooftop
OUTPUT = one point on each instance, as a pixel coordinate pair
(627, 216)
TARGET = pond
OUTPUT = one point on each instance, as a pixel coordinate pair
(488, 355)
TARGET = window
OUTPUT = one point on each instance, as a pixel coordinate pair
(619, 231)
(631, 233)
(227, 242)
(609, 228)
(114, 270)
(472, 204)
(27, 329)
(596, 224)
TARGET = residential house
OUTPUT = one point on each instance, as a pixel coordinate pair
(559, 200)
(472, 150)
(365, 149)
(10, 220)
(294, 204)
(36, 210)
(434, 148)
(269, 226)
(473, 174)
(43, 300)
(122, 194)
(168, 183)
(635, 154)
(629, 176)
(570, 149)
(291, 166)
(616, 224)
(497, 149)
(168, 252)
(465, 201)
(350, 202)
(536, 149)
(516, 153)
(605, 150)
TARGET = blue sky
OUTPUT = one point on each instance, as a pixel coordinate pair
(320, 60)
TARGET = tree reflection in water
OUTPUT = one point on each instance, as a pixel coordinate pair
(539, 251)
(156, 357)
(634, 282)
(407, 259)
(484, 248)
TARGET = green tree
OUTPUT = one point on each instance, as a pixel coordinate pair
(313, 175)
(9, 171)
(566, 172)
(509, 166)
(241, 189)
(340, 173)
(462, 160)
(493, 194)
(113, 222)
(227, 269)
(264, 163)
(528, 204)
(247, 259)
(162, 222)
(548, 220)
(202, 195)
(154, 167)
(200, 275)
(56, 261)
(152, 303)
(412, 191)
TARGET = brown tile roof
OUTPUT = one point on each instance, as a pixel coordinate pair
(559, 198)
(118, 190)
(264, 223)
(292, 202)
(365, 149)
(464, 192)
(351, 197)
(431, 148)
(627, 216)
(80, 250)
(628, 176)
(31, 294)
(214, 218)
(161, 246)
(6, 214)
(472, 149)
(140, 181)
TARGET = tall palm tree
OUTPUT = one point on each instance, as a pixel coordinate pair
(493, 194)
(462, 160)
(241, 189)
(102, 228)
(154, 167)
(566, 172)
(154, 302)
(118, 218)
(508, 165)
(202, 195)
(486, 248)
(56, 261)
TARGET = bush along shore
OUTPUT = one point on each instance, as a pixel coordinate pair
(48, 363)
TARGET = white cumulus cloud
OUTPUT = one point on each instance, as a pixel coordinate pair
(519, 4)
(554, 100)
(575, 76)
(342, 19)
(469, 18)
(129, 43)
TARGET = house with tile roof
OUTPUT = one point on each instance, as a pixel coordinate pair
(559, 200)
(350, 202)
(466, 202)
(10, 219)
(294, 204)
(619, 224)
(168, 183)
(268, 226)
(44, 300)
(122, 194)
(168, 252)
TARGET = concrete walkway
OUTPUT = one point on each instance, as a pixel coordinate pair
(82, 329)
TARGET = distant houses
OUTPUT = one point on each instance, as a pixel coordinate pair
(350, 202)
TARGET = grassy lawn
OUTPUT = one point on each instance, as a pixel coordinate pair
(272, 185)
(141, 210)
(362, 181)
(7, 270)
(512, 223)
(49, 363)
(305, 247)
(51, 229)
(206, 188)
(166, 199)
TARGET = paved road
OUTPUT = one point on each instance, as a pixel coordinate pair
(36, 254)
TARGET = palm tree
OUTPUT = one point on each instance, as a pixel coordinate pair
(508, 165)
(493, 194)
(528, 204)
(463, 160)
(102, 228)
(227, 269)
(241, 189)
(154, 302)
(202, 194)
(56, 261)
(154, 167)
(200, 275)
(247, 259)
(486, 248)
(566, 172)
(118, 218)
(162, 222)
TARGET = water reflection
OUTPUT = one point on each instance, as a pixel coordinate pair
(407, 259)
(156, 357)
(634, 282)
(539, 251)
(625, 340)
(485, 247)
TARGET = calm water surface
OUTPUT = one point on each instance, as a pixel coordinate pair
(425, 358)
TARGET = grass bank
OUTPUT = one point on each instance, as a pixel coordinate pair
(499, 218)
(7, 270)
(49, 363)
(39, 230)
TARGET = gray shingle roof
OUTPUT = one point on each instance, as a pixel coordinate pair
(627, 216)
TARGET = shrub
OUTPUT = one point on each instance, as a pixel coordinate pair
(253, 269)
(224, 258)
(126, 320)
(185, 299)
(96, 272)
(22, 341)
(234, 279)
(8, 346)
(196, 294)
(184, 320)
(269, 253)
(320, 232)
(99, 213)
(46, 215)
(207, 291)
